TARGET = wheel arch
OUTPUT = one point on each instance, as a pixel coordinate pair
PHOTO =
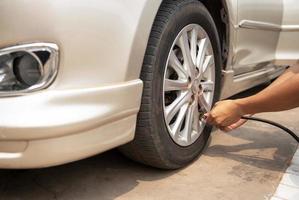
(219, 11)
(141, 38)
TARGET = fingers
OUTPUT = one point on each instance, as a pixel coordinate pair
(220, 121)
(224, 114)
(209, 118)
(226, 129)
(238, 123)
(232, 126)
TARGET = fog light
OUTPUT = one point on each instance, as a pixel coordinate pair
(27, 68)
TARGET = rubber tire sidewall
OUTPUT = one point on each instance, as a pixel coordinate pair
(193, 13)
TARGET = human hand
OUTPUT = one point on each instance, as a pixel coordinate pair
(226, 115)
(233, 126)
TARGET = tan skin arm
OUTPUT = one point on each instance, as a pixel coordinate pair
(286, 75)
(282, 94)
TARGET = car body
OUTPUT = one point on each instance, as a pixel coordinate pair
(92, 103)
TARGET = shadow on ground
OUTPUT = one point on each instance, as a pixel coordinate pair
(258, 137)
(252, 151)
(105, 176)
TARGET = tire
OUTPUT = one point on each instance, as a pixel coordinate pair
(153, 144)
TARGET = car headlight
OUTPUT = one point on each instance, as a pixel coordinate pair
(27, 68)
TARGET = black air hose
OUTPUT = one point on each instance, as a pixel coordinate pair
(273, 124)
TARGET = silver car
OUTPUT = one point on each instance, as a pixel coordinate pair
(81, 77)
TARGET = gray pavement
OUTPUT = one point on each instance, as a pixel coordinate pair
(245, 164)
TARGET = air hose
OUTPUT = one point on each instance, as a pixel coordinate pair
(291, 133)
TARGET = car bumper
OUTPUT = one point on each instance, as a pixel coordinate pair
(53, 127)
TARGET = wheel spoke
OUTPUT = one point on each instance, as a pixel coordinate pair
(172, 85)
(174, 107)
(203, 103)
(177, 66)
(207, 86)
(187, 132)
(196, 117)
(188, 63)
(207, 63)
(202, 124)
(202, 47)
(179, 121)
(193, 44)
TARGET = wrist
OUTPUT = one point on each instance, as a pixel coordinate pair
(244, 106)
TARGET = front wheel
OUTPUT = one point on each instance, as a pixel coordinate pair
(181, 74)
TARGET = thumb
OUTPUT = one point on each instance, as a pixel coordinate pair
(207, 117)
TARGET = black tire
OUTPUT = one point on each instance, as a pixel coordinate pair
(152, 144)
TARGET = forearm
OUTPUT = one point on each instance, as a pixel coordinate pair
(285, 76)
(282, 96)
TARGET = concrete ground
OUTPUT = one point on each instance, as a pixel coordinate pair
(245, 164)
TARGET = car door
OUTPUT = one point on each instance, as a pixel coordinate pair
(288, 47)
(258, 30)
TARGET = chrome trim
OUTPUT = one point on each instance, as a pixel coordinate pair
(49, 69)
(249, 24)
(290, 28)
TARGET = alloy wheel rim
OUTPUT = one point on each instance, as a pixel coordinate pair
(189, 84)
